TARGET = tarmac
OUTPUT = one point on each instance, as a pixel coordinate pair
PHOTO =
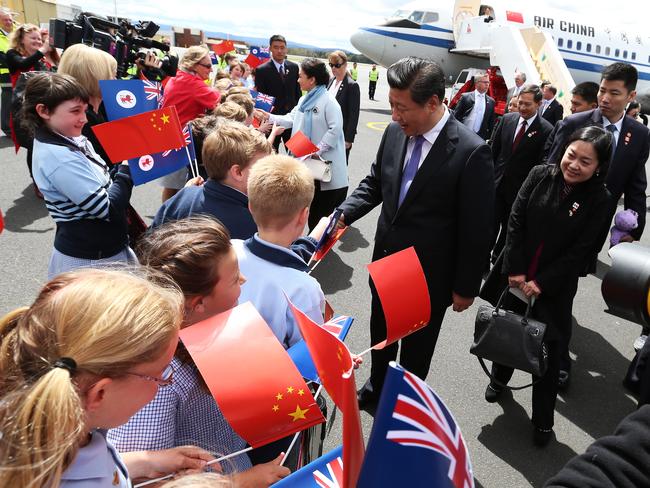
(498, 436)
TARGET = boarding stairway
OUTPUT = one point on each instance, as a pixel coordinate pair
(512, 47)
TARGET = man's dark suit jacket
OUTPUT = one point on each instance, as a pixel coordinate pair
(626, 173)
(349, 99)
(465, 106)
(286, 92)
(447, 213)
(512, 168)
(553, 113)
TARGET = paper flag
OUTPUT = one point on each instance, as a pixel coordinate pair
(223, 47)
(253, 61)
(300, 145)
(403, 293)
(250, 375)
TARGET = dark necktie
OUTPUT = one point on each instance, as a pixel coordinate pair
(411, 168)
(281, 71)
(519, 135)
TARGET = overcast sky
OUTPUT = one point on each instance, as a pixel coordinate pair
(326, 23)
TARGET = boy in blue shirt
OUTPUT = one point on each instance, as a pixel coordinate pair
(228, 155)
(280, 191)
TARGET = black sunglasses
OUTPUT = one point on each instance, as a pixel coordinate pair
(208, 66)
(337, 65)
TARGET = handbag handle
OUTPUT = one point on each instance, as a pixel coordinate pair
(503, 385)
(529, 305)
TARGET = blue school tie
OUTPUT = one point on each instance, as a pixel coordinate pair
(411, 169)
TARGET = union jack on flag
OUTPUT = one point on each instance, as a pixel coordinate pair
(186, 137)
(264, 101)
(336, 325)
(334, 476)
(153, 90)
(432, 428)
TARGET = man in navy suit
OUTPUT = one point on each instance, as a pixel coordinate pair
(550, 109)
(476, 109)
(434, 180)
(626, 176)
(279, 78)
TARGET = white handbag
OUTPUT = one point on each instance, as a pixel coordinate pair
(320, 169)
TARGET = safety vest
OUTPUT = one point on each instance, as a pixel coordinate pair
(4, 47)
(354, 73)
(374, 75)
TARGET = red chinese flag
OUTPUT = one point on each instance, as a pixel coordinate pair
(336, 371)
(2, 222)
(515, 16)
(320, 254)
(300, 145)
(146, 133)
(251, 376)
(223, 47)
(403, 293)
(252, 61)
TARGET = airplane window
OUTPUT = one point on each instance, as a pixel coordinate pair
(569, 44)
(597, 48)
(430, 17)
(634, 56)
(416, 16)
(607, 51)
(588, 48)
(560, 42)
(617, 53)
(625, 54)
(579, 46)
(402, 14)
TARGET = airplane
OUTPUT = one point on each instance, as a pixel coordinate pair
(421, 29)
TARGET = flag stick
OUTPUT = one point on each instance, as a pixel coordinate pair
(315, 266)
(366, 351)
(295, 437)
(222, 458)
(187, 150)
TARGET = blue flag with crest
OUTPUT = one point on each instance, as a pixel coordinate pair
(123, 98)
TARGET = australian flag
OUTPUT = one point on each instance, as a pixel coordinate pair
(340, 326)
(153, 166)
(260, 52)
(262, 100)
(324, 472)
(414, 430)
(153, 91)
(123, 98)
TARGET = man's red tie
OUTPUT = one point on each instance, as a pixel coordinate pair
(519, 136)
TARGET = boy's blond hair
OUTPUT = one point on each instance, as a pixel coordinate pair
(243, 100)
(231, 111)
(279, 188)
(229, 144)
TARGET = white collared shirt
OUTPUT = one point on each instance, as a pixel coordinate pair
(429, 140)
(529, 122)
(277, 65)
(471, 118)
(547, 103)
(619, 127)
(334, 87)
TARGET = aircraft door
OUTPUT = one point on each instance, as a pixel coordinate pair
(464, 9)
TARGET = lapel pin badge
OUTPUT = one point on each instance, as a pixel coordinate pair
(574, 209)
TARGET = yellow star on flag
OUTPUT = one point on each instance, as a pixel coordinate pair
(165, 118)
(299, 413)
(278, 396)
(276, 408)
(301, 392)
(290, 389)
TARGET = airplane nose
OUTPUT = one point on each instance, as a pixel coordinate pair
(369, 43)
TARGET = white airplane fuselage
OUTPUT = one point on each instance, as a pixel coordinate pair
(585, 46)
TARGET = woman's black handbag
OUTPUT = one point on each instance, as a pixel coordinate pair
(507, 338)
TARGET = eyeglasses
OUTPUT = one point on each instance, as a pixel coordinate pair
(166, 379)
(207, 66)
(337, 65)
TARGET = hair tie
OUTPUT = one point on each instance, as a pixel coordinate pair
(66, 363)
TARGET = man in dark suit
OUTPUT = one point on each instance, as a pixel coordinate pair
(626, 176)
(550, 108)
(517, 146)
(520, 80)
(433, 178)
(476, 109)
(279, 78)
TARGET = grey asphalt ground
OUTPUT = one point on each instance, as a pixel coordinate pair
(498, 435)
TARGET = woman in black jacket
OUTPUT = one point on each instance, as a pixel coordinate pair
(556, 219)
(346, 92)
